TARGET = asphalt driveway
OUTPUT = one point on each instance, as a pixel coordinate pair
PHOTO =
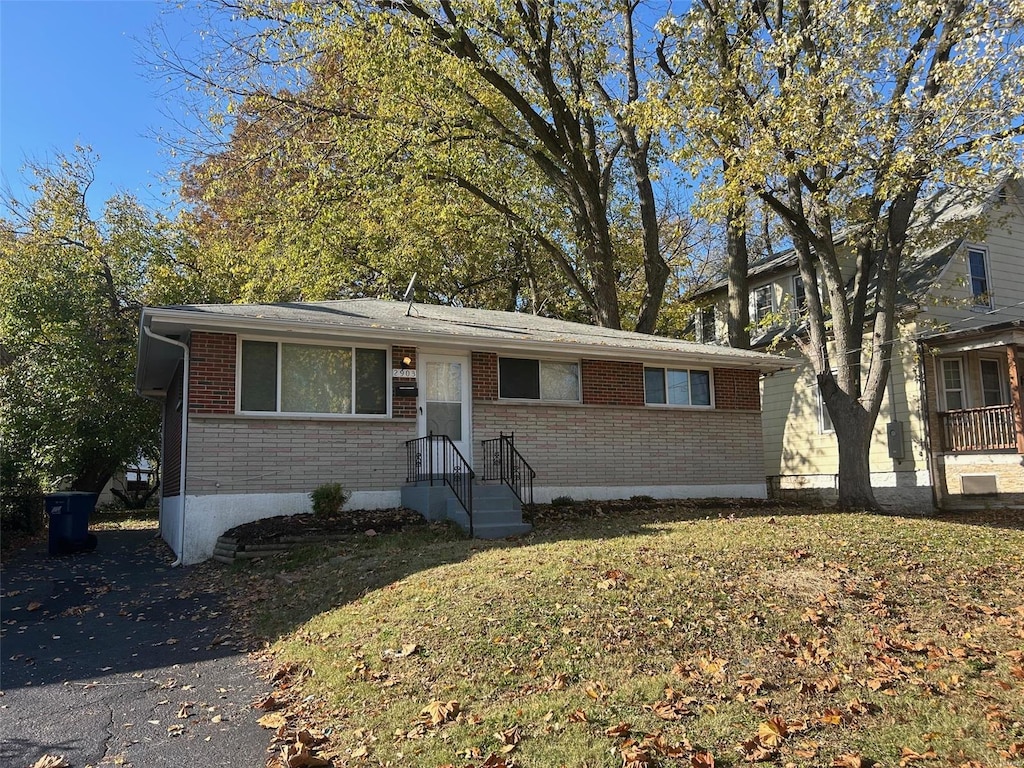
(115, 658)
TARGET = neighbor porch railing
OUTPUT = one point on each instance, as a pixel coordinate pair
(436, 460)
(503, 462)
(979, 429)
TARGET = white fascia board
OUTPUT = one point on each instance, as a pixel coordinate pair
(391, 335)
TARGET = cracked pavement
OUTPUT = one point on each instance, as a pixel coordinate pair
(114, 658)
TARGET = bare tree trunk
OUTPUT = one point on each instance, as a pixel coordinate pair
(737, 264)
(853, 425)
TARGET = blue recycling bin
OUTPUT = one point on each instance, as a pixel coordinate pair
(68, 513)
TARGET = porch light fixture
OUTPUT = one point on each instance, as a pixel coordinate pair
(406, 362)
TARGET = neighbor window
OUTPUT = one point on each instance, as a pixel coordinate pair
(706, 320)
(529, 379)
(799, 296)
(953, 384)
(673, 386)
(993, 383)
(977, 267)
(312, 378)
(824, 417)
(762, 304)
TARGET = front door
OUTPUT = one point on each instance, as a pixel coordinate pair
(444, 399)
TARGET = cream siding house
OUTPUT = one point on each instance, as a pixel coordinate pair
(950, 410)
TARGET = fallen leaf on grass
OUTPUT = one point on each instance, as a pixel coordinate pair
(33, 606)
(908, 756)
(852, 761)
(298, 755)
(702, 760)
(438, 712)
(618, 731)
(51, 761)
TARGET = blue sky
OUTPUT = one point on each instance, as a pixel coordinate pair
(70, 73)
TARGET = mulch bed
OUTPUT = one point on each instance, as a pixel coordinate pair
(351, 521)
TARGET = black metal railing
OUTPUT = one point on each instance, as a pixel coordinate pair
(436, 460)
(503, 462)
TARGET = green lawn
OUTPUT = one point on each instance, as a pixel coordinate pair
(678, 637)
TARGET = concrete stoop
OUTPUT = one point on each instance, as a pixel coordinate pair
(497, 513)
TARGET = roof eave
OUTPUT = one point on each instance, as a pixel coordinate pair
(202, 321)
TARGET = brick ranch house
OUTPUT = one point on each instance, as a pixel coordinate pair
(459, 413)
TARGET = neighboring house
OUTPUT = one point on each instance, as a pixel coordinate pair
(949, 432)
(263, 403)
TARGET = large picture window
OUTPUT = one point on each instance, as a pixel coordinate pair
(672, 386)
(528, 379)
(280, 377)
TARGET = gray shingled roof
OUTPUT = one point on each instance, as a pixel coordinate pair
(428, 322)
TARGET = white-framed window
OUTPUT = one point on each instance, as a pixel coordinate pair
(677, 386)
(521, 378)
(706, 323)
(799, 296)
(995, 388)
(762, 302)
(951, 377)
(978, 277)
(311, 379)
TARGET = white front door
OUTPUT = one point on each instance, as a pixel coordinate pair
(444, 400)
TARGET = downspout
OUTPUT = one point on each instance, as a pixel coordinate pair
(184, 433)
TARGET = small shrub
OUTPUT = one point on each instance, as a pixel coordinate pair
(328, 499)
(563, 501)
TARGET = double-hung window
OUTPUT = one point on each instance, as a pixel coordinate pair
(977, 267)
(283, 377)
(799, 296)
(677, 386)
(529, 379)
(994, 390)
(763, 303)
(952, 373)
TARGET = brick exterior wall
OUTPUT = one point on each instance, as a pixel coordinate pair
(485, 376)
(246, 455)
(211, 385)
(612, 446)
(610, 382)
(170, 450)
(403, 407)
(737, 389)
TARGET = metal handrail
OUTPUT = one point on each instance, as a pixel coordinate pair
(502, 461)
(435, 458)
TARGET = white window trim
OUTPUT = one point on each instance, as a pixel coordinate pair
(540, 361)
(976, 304)
(666, 368)
(940, 376)
(277, 413)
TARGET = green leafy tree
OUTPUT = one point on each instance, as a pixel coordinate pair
(70, 290)
(845, 119)
(510, 122)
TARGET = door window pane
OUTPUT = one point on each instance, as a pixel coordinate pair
(259, 376)
(444, 382)
(559, 381)
(371, 381)
(315, 379)
(444, 419)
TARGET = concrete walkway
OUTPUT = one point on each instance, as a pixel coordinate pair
(115, 658)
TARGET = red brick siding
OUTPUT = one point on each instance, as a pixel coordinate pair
(485, 376)
(170, 451)
(737, 390)
(211, 384)
(611, 382)
(403, 407)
